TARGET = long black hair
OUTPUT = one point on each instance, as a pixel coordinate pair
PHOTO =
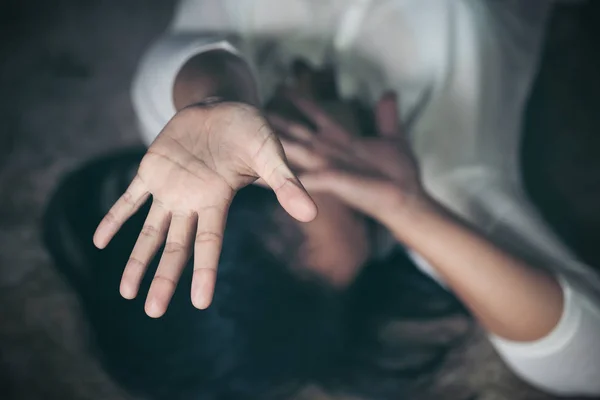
(267, 333)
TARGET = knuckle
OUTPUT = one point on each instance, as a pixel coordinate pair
(215, 208)
(173, 247)
(135, 263)
(208, 236)
(165, 279)
(110, 218)
(149, 231)
(127, 198)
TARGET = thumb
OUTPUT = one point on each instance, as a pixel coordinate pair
(290, 193)
(386, 116)
(360, 192)
(271, 168)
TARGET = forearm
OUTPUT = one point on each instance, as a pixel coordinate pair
(215, 73)
(511, 299)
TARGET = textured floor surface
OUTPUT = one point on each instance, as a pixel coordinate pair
(64, 76)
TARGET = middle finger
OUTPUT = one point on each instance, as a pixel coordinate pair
(302, 156)
(328, 127)
(151, 237)
(175, 256)
(291, 129)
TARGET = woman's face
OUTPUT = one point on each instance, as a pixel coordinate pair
(337, 242)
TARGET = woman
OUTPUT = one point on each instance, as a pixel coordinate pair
(540, 320)
(463, 69)
(298, 306)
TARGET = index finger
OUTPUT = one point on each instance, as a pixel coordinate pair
(386, 116)
(133, 198)
(327, 126)
(309, 108)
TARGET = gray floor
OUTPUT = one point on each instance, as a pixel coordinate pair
(64, 79)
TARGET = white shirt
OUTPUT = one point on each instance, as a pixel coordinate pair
(463, 70)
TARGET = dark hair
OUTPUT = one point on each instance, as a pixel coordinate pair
(268, 331)
(265, 334)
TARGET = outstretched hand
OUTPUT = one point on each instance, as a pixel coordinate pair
(192, 171)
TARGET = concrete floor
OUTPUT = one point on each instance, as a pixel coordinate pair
(64, 78)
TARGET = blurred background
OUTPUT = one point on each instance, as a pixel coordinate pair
(65, 71)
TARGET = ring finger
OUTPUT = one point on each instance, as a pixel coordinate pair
(175, 256)
(152, 235)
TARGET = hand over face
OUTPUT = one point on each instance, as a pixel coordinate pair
(192, 171)
(374, 175)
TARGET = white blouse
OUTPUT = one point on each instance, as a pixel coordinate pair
(463, 70)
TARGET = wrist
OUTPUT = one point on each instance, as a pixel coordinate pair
(214, 74)
(412, 215)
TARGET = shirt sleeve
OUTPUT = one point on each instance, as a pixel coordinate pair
(198, 26)
(567, 360)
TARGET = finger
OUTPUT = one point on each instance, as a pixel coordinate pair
(207, 249)
(270, 165)
(133, 198)
(328, 128)
(310, 109)
(151, 237)
(175, 255)
(305, 151)
(304, 78)
(359, 192)
(301, 156)
(291, 129)
(386, 116)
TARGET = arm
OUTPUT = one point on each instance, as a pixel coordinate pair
(509, 298)
(215, 73)
(390, 191)
(197, 57)
(565, 361)
(182, 69)
(545, 327)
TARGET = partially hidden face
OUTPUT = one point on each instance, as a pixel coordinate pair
(336, 244)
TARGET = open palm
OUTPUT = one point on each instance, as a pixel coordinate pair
(192, 171)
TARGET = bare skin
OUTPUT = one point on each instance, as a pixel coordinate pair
(208, 152)
(192, 170)
(380, 177)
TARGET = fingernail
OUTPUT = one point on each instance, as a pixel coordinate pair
(152, 308)
(99, 241)
(127, 291)
(199, 297)
(305, 211)
(203, 285)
